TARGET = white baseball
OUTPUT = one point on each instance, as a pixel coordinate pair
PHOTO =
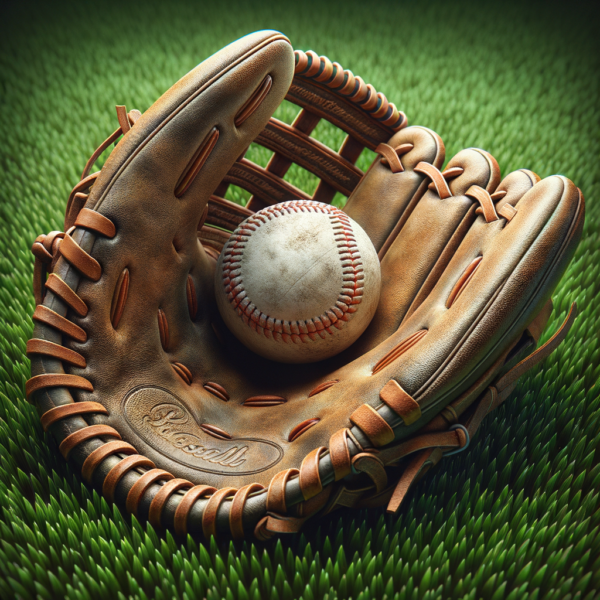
(298, 282)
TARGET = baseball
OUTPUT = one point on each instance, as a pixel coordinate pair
(298, 282)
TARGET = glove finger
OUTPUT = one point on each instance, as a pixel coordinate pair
(516, 185)
(463, 339)
(426, 243)
(384, 199)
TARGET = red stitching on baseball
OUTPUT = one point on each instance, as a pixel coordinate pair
(303, 331)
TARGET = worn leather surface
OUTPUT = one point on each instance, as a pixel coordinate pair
(394, 194)
(434, 241)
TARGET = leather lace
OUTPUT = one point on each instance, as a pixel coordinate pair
(391, 157)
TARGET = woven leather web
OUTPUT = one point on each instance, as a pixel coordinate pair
(323, 90)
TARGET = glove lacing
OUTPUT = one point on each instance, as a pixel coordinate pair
(390, 157)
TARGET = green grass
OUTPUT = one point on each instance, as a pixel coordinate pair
(516, 516)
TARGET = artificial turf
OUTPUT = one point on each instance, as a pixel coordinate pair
(516, 515)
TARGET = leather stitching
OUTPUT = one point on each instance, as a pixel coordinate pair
(301, 331)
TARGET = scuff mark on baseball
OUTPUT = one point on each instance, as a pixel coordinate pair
(298, 282)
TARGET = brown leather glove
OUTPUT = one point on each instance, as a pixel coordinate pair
(169, 415)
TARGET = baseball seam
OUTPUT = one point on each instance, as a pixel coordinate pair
(306, 330)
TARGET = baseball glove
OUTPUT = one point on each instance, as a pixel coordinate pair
(160, 407)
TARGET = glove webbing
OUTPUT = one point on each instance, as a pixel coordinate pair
(310, 65)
